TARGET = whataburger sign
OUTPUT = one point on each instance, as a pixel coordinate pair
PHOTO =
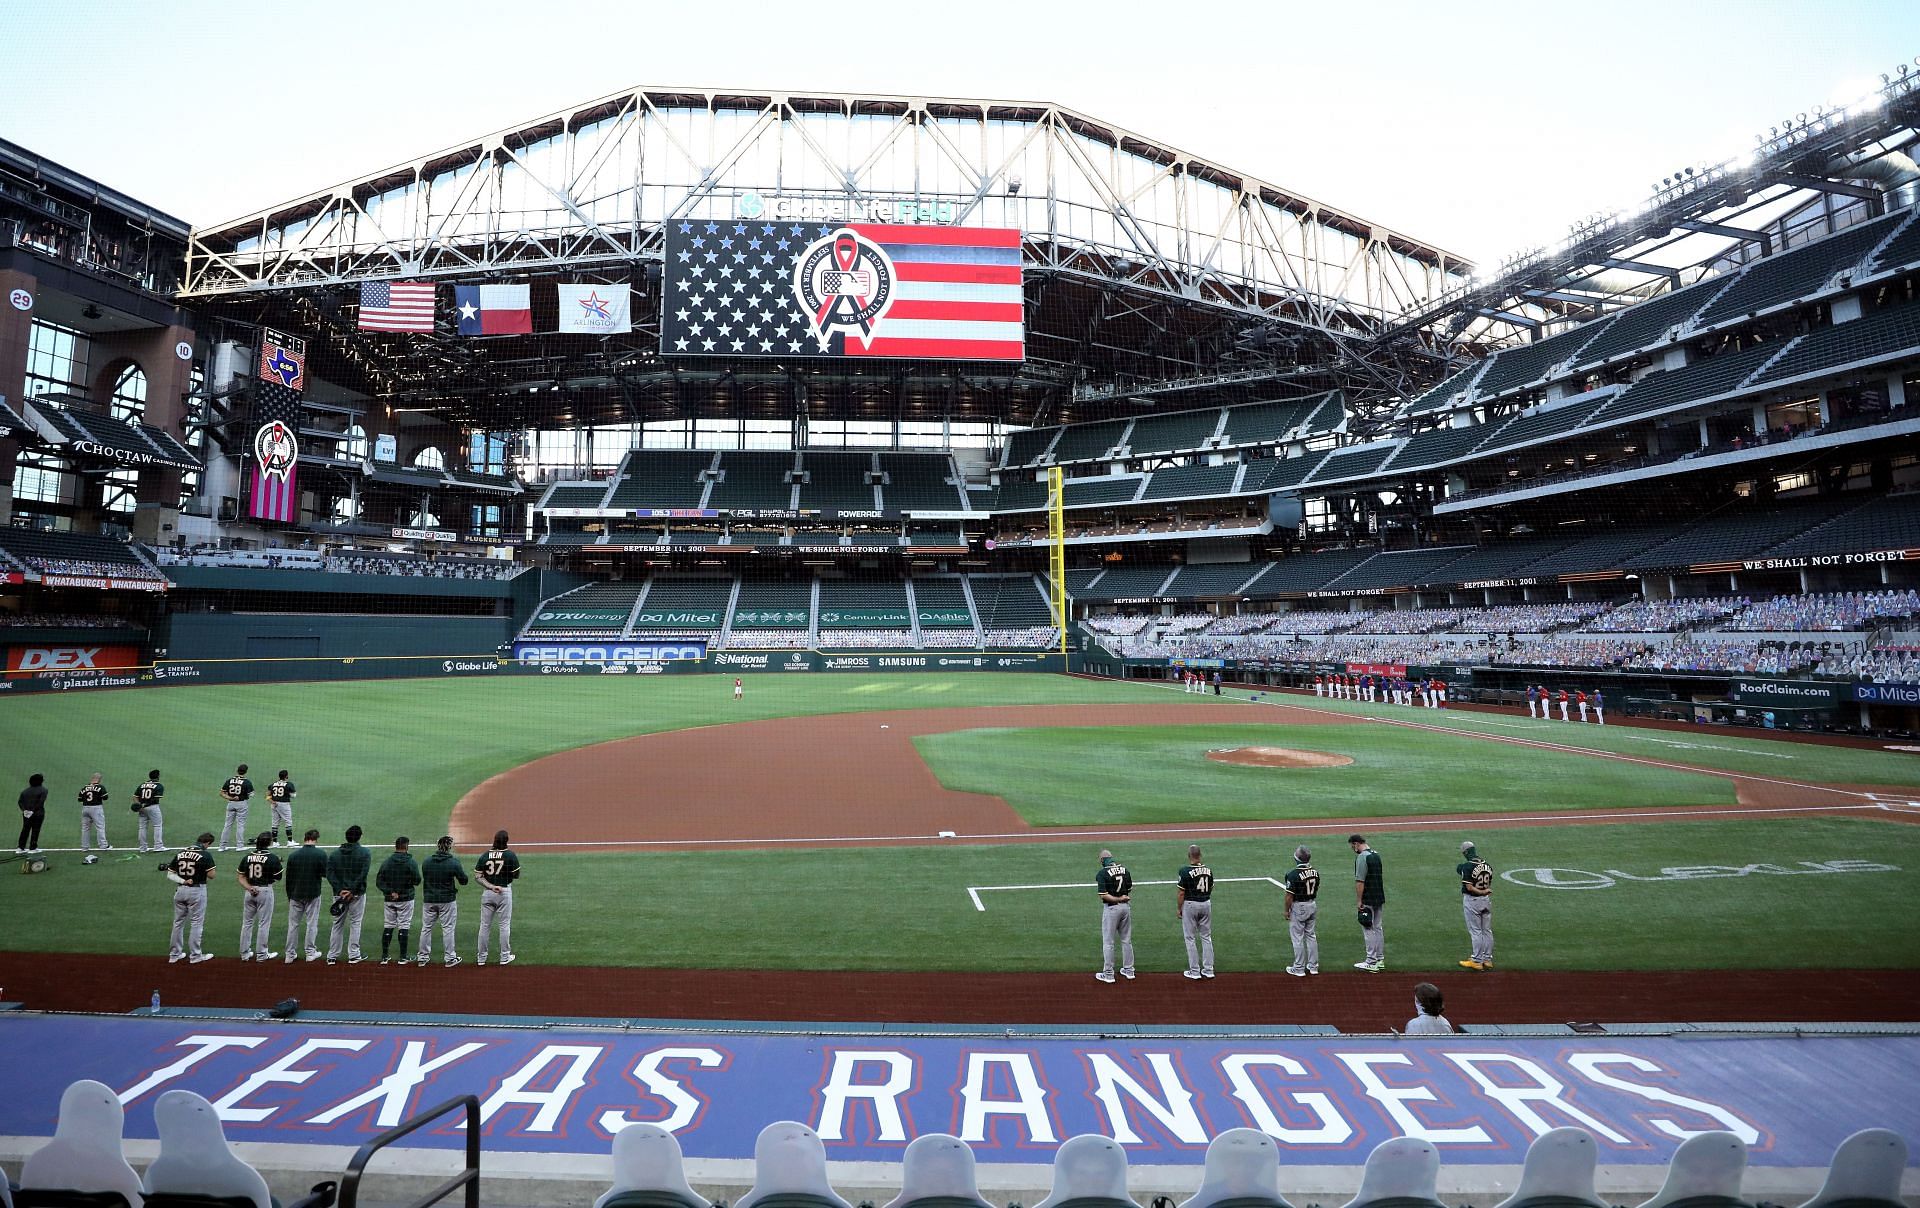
(1329, 1099)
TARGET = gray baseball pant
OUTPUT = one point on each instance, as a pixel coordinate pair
(1479, 912)
(150, 828)
(235, 821)
(496, 906)
(189, 919)
(1306, 940)
(283, 817)
(93, 820)
(303, 924)
(1116, 926)
(1376, 936)
(1196, 923)
(256, 921)
(447, 915)
(346, 929)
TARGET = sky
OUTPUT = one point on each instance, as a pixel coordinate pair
(1479, 128)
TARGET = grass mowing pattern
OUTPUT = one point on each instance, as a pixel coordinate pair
(1089, 776)
(1705, 746)
(902, 908)
(395, 756)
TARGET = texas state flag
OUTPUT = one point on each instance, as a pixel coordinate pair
(493, 310)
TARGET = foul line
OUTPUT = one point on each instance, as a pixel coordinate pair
(974, 891)
(1203, 828)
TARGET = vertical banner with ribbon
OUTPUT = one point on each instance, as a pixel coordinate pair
(273, 449)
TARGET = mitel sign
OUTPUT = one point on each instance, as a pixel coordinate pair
(1887, 694)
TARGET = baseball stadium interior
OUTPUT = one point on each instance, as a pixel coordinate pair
(1030, 429)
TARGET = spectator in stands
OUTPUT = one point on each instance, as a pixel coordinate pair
(1427, 1020)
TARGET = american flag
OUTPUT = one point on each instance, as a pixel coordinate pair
(729, 291)
(396, 306)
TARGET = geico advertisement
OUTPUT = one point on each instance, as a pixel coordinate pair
(607, 652)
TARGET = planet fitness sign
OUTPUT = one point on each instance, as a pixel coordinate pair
(1480, 1101)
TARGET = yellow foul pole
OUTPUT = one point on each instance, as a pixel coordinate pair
(1057, 554)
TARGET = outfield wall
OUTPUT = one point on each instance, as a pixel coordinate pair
(171, 671)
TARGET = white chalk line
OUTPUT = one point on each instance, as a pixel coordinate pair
(1206, 828)
(974, 891)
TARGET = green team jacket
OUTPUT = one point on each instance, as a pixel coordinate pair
(347, 868)
(439, 875)
(399, 876)
(306, 869)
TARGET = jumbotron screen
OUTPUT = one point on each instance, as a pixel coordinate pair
(746, 288)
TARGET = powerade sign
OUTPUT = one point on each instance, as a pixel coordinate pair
(1328, 1100)
(574, 653)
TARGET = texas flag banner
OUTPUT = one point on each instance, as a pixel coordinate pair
(493, 310)
(596, 310)
(274, 447)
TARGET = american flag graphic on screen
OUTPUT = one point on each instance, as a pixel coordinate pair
(738, 287)
(273, 446)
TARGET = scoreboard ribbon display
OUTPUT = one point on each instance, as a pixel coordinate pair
(742, 288)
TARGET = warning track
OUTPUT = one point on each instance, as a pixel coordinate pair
(856, 779)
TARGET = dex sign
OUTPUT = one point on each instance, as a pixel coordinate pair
(55, 660)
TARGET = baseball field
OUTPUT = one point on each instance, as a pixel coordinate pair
(916, 823)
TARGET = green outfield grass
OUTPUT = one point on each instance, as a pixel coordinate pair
(395, 756)
(824, 909)
(1093, 776)
(1703, 746)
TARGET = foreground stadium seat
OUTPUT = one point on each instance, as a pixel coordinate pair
(1558, 1173)
(1705, 1173)
(195, 1159)
(1090, 1171)
(1865, 1173)
(1400, 1173)
(937, 1172)
(648, 1171)
(197, 1168)
(789, 1170)
(84, 1156)
(1243, 1171)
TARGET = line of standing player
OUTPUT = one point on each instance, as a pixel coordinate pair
(1193, 906)
(339, 878)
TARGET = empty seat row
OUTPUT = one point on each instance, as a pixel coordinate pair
(1243, 1169)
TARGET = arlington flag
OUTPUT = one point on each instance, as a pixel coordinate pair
(596, 310)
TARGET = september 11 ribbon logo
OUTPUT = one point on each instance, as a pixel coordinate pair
(844, 282)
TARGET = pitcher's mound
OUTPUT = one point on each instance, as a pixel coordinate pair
(1277, 757)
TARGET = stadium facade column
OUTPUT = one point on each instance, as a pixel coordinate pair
(156, 350)
(16, 329)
